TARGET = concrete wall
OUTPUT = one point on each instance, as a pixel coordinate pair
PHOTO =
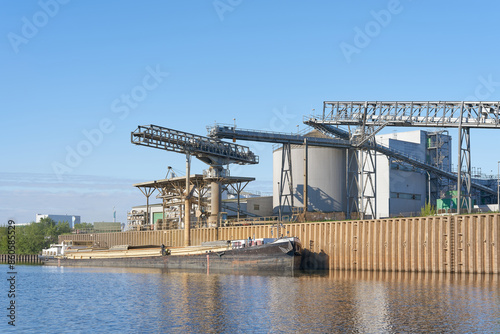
(459, 244)
(262, 206)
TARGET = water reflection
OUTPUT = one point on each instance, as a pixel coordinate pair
(154, 300)
(406, 302)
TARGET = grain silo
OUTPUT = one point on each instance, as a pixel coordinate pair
(326, 190)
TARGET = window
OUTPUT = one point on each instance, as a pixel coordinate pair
(406, 196)
(256, 207)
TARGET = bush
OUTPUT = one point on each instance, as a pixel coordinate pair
(428, 210)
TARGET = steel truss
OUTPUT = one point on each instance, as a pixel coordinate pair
(286, 180)
(464, 195)
(412, 113)
(368, 183)
(352, 179)
(361, 183)
(378, 114)
(211, 151)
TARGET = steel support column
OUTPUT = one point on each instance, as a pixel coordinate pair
(286, 198)
(147, 192)
(367, 183)
(464, 176)
(352, 185)
(187, 204)
(238, 188)
(306, 176)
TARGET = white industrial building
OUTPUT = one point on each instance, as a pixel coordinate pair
(403, 190)
(72, 220)
(399, 189)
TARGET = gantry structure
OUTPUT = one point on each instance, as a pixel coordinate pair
(367, 118)
(364, 121)
(214, 152)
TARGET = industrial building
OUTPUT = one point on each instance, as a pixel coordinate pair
(72, 220)
(343, 166)
(401, 189)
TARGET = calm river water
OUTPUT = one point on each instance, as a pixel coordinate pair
(102, 300)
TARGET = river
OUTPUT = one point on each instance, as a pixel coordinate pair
(112, 300)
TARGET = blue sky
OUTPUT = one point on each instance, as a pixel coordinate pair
(78, 72)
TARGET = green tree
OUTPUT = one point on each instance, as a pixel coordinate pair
(32, 238)
(3, 240)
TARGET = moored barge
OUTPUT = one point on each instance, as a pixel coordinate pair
(280, 255)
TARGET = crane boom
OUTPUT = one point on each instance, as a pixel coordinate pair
(211, 151)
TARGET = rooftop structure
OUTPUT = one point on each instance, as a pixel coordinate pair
(171, 192)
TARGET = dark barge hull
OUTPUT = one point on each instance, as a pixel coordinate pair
(269, 257)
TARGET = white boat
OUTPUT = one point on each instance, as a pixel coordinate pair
(65, 247)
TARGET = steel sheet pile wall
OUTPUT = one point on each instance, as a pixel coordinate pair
(20, 259)
(461, 244)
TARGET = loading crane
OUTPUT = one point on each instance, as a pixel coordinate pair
(211, 151)
(214, 152)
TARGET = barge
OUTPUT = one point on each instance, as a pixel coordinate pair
(279, 255)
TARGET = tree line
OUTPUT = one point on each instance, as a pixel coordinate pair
(32, 238)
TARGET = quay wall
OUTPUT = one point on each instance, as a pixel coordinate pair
(454, 244)
(20, 259)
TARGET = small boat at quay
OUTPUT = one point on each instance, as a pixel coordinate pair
(64, 248)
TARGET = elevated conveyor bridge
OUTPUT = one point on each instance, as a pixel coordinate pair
(344, 140)
(371, 116)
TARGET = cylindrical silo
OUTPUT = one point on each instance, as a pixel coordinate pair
(326, 182)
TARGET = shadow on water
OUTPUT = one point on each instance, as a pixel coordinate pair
(311, 261)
